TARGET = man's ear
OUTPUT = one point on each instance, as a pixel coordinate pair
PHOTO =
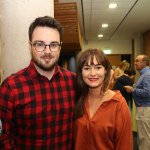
(144, 62)
(61, 45)
(30, 46)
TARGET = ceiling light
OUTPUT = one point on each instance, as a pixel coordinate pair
(112, 5)
(104, 25)
(100, 35)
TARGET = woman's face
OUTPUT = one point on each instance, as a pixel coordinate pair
(93, 74)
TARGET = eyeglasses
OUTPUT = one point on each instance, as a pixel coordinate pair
(40, 46)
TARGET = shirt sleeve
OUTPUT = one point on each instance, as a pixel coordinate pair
(143, 89)
(124, 137)
(6, 109)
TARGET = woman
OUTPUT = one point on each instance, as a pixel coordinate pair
(119, 71)
(102, 117)
(122, 81)
(111, 81)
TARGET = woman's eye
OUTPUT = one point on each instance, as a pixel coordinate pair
(86, 68)
(98, 67)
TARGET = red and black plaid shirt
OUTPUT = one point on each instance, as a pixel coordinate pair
(37, 113)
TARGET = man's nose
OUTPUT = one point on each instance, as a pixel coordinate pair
(47, 48)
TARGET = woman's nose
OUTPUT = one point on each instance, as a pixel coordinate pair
(93, 71)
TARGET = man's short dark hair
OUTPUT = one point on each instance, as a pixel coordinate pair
(45, 21)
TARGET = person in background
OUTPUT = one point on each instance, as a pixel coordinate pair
(37, 103)
(119, 71)
(141, 95)
(122, 81)
(102, 117)
(131, 73)
(112, 81)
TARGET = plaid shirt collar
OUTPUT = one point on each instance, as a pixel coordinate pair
(34, 73)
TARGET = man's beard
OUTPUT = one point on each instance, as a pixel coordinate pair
(42, 66)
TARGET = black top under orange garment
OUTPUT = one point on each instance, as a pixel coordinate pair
(119, 85)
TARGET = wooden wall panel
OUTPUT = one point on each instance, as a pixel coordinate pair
(115, 59)
(67, 15)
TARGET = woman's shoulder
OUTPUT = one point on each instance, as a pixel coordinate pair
(109, 94)
(118, 96)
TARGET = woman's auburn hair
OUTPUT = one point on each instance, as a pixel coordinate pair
(82, 89)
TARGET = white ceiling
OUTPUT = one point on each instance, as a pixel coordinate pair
(131, 17)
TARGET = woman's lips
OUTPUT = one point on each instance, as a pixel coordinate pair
(93, 79)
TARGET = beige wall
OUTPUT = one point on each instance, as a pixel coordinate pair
(16, 18)
(146, 43)
(138, 44)
(117, 46)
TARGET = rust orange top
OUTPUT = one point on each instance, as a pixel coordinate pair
(109, 129)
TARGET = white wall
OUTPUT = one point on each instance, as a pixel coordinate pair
(117, 46)
(16, 18)
(138, 45)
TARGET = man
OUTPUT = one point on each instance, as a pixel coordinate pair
(36, 103)
(141, 94)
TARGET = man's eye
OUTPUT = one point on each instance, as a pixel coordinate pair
(39, 45)
(54, 45)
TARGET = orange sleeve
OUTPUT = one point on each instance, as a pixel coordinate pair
(124, 136)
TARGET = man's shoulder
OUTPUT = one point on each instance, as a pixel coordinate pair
(146, 74)
(148, 71)
(16, 77)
